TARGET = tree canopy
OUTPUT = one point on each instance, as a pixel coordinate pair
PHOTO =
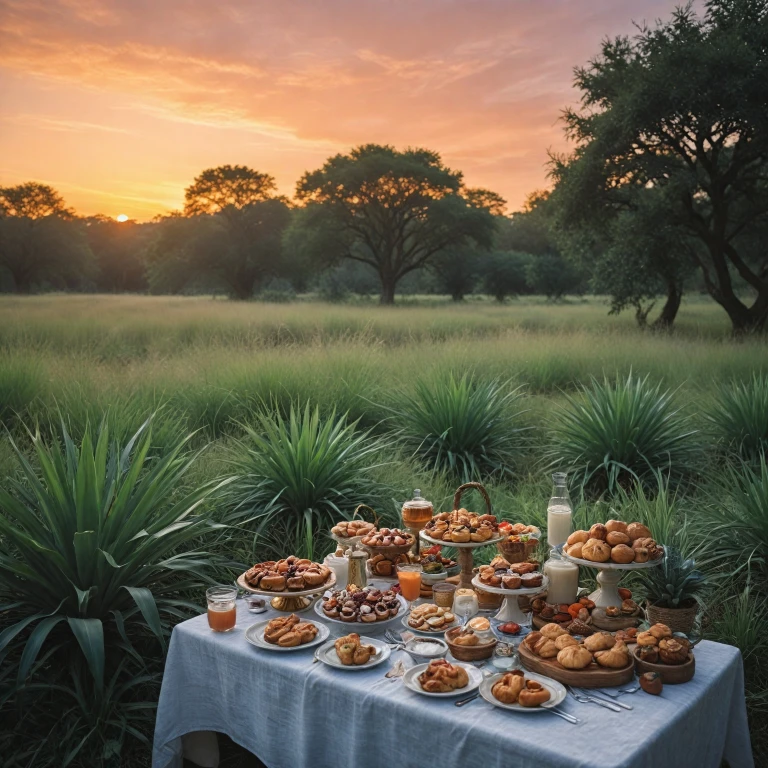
(675, 121)
(394, 210)
(227, 186)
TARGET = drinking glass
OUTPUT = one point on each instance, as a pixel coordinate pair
(409, 577)
(465, 604)
(221, 608)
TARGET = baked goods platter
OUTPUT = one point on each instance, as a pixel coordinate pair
(520, 691)
(429, 619)
(289, 582)
(613, 547)
(442, 679)
(510, 610)
(353, 652)
(598, 661)
(354, 606)
(668, 655)
(286, 633)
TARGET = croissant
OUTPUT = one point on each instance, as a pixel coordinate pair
(600, 641)
(596, 550)
(508, 688)
(531, 639)
(672, 652)
(616, 657)
(563, 641)
(470, 638)
(279, 627)
(575, 657)
(575, 550)
(577, 536)
(552, 631)
(441, 677)
(546, 648)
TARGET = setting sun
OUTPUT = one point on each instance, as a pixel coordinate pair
(122, 217)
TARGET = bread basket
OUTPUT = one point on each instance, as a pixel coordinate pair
(469, 652)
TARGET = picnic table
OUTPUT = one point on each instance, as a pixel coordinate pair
(290, 711)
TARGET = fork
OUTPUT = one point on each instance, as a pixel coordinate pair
(392, 638)
(584, 699)
(591, 694)
(614, 694)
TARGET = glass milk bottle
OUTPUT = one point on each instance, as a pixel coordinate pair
(559, 512)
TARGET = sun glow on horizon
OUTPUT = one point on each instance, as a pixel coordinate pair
(121, 218)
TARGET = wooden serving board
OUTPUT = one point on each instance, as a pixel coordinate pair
(671, 674)
(613, 623)
(591, 677)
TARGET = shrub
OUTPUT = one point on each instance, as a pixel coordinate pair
(616, 434)
(464, 426)
(739, 416)
(277, 291)
(94, 558)
(302, 473)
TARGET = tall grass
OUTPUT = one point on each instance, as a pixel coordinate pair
(739, 416)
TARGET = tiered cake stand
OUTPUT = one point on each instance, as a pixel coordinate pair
(609, 577)
(510, 610)
(290, 602)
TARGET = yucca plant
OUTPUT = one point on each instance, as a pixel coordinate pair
(618, 433)
(96, 551)
(464, 426)
(300, 475)
(739, 417)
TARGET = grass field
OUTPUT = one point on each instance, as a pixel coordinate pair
(209, 365)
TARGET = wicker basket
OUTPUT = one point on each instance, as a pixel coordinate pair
(517, 551)
(469, 652)
(677, 619)
(467, 486)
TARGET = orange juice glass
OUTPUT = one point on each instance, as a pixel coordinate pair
(409, 577)
(222, 613)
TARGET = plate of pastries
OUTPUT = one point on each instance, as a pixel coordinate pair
(462, 527)
(350, 529)
(657, 645)
(614, 543)
(522, 691)
(501, 574)
(561, 652)
(575, 617)
(354, 652)
(286, 633)
(292, 574)
(385, 566)
(442, 679)
(387, 537)
(354, 605)
(429, 618)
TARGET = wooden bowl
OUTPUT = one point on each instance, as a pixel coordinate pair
(671, 674)
(469, 652)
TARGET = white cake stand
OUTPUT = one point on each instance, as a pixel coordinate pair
(510, 610)
(466, 558)
(609, 577)
(294, 601)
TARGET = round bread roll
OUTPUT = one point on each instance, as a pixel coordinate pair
(577, 536)
(616, 526)
(616, 537)
(596, 550)
(638, 531)
(642, 555)
(575, 550)
(575, 657)
(621, 553)
(598, 531)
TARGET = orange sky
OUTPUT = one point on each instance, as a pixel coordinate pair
(119, 104)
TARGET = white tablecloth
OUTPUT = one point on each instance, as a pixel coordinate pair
(291, 712)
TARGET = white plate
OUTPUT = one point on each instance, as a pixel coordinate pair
(355, 625)
(511, 592)
(411, 680)
(460, 545)
(439, 631)
(557, 693)
(255, 636)
(327, 654)
(611, 566)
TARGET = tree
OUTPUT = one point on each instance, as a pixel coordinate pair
(679, 115)
(504, 274)
(40, 241)
(392, 210)
(118, 249)
(241, 248)
(457, 269)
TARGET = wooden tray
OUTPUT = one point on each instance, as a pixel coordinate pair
(671, 674)
(594, 677)
(613, 623)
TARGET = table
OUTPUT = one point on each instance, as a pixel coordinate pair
(291, 712)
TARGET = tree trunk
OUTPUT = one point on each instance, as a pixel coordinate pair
(387, 290)
(669, 311)
(457, 296)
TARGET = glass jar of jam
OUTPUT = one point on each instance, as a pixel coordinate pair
(417, 512)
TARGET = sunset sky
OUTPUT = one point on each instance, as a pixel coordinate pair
(120, 104)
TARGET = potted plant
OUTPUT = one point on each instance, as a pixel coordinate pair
(672, 590)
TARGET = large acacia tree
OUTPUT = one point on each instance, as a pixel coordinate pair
(394, 210)
(675, 122)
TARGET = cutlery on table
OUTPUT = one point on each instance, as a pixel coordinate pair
(591, 694)
(614, 694)
(584, 699)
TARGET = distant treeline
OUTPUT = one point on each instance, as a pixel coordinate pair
(666, 191)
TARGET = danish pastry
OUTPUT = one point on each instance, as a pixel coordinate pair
(508, 688)
(533, 695)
